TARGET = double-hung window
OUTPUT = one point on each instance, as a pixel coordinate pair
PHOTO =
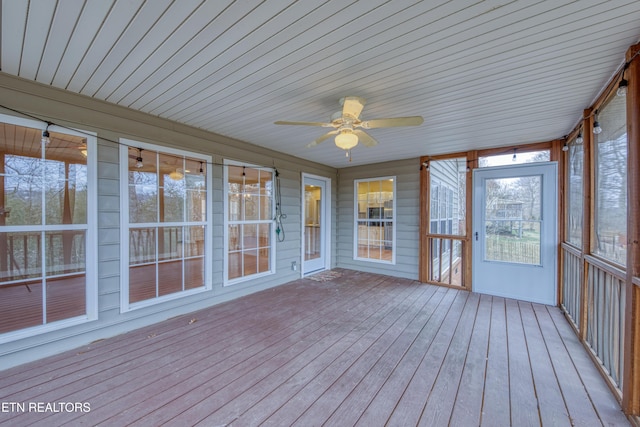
(374, 238)
(166, 249)
(249, 227)
(47, 228)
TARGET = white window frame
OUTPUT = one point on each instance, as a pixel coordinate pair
(393, 220)
(125, 305)
(91, 254)
(227, 222)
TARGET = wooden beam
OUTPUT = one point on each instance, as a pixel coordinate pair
(536, 146)
(588, 181)
(423, 263)
(631, 368)
(472, 160)
(557, 155)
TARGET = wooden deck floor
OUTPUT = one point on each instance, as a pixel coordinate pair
(358, 349)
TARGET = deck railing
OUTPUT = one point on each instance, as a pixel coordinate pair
(593, 298)
(446, 254)
(21, 254)
(605, 315)
(572, 275)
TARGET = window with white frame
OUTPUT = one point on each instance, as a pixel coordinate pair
(374, 238)
(249, 231)
(47, 228)
(165, 217)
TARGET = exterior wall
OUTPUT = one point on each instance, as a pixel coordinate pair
(111, 122)
(407, 217)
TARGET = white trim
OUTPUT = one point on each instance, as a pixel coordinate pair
(527, 274)
(91, 229)
(326, 224)
(225, 212)
(125, 225)
(393, 220)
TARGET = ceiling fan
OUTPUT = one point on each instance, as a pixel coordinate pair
(348, 125)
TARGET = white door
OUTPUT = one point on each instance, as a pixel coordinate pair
(514, 231)
(315, 216)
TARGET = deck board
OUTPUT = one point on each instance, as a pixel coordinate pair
(467, 405)
(353, 349)
(495, 411)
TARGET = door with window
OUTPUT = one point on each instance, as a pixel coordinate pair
(514, 231)
(315, 219)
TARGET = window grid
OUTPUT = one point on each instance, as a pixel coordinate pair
(47, 266)
(167, 215)
(249, 222)
(374, 236)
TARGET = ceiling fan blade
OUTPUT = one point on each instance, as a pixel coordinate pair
(365, 138)
(352, 106)
(280, 122)
(322, 138)
(392, 122)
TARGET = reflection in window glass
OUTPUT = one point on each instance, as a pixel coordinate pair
(611, 182)
(43, 227)
(166, 223)
(575, 200)
(374, 219)
(249, 221)
(513, 219)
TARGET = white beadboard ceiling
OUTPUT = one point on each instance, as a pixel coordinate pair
(481, 73)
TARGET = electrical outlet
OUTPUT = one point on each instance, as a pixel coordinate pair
(294, 266)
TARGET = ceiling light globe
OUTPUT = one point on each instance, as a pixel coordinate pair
(346, 140)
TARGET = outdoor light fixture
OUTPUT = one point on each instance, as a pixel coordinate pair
(622, 87)
(201, 170)
(596, 127)
(346, 139)
(139, 163)
(514, 158)
(565, 147)
(46, 139)
(579, 138)
(425, 165)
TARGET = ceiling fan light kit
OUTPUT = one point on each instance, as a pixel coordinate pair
(348, 125)
(346, 139)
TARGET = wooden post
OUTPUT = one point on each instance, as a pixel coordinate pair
(588, 182)
(631, 368)
(423, 262)
(561, 157)
(4, 265)
(472, 159)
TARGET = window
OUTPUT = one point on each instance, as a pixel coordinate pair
(47, 229)
(611, 182)
(514, 157)
(575, 199)
(249, 231)
(374, 220)
(165, 215)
